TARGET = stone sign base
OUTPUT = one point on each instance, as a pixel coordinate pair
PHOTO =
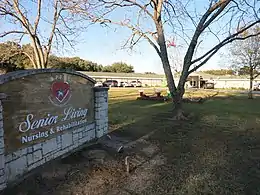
(15, 165)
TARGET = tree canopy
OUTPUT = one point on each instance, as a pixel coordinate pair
(41, 22)
(246, 56)
(119, 67)
(12, 58)
(220, 72)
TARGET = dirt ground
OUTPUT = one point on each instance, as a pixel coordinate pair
(97, 170)
(184, 161)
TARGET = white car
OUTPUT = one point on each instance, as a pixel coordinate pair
(124, 84)
(99, 84)
(256, 87)
(136, 83)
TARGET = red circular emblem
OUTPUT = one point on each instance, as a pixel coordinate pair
(60, 93)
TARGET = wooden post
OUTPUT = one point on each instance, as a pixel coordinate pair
(127, 164)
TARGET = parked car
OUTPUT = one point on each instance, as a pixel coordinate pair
(136, 83)
(124, 84)
(256, 87)
(110, 83)
(99, 84)
(209, 85)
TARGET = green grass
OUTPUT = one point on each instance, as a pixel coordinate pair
(125, 111)
(216, 152)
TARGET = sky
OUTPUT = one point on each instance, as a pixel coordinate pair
(103, 44)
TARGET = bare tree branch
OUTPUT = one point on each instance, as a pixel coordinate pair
(202, 25)
(220, 45)
(17, 13)
(256, 75)
(37, 20)
(221, 5)
(134, 29)
(143, 7)
(65, 37)
(22, 17)
(225, 41)
(31, 59)
(11, 32)
(55, 19)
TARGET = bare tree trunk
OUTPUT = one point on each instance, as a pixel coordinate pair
(36, 53)
(46, 58)
(177, 100)
(176, 93)
(250, 94)
(165, 59)
(40, 51)
(31, 58)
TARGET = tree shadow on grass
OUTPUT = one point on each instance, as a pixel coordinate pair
(136, 114)
(217, 152)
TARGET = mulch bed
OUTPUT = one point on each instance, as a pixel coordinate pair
(154, 98)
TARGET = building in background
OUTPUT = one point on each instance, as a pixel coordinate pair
(154, 80)
(195, 80)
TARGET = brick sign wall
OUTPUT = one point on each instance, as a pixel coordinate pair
(46, 114)
(43, 105)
